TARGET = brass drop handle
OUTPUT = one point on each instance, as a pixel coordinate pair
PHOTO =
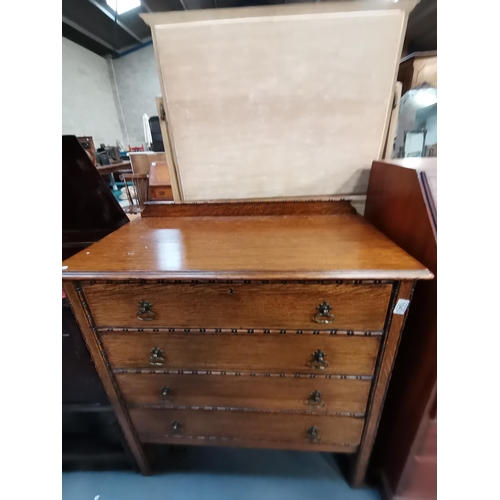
(313, 435)
(315, 399)
(176, 426)
(323, 315)
(156, 358)
(318, 360)
(144, 312)
(166, 394)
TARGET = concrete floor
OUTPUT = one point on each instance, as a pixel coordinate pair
(223, 473)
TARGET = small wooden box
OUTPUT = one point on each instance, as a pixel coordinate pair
(160, 186)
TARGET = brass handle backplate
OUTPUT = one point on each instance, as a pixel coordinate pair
(166, 394)
(156, 358)
(145, 313)
(315, 399)
(323, 315)
(176, 427)
(318, 360)
(313, 435)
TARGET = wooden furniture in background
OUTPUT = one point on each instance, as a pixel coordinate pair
(160, 187)
(137, 189)
(87, 143)
(418, 68)
(122, 167)
(402, 203)
(195, 311)
(141, 161)
(89, 209)
(91, 436)
(253, 111)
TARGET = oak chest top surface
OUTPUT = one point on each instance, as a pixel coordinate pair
(267, 240)
(263, 324)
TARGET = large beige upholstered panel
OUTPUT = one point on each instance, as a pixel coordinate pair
(291, 104)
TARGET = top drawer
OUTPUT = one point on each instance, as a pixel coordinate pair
(240, 305)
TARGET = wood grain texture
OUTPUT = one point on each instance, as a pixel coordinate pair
(264, 393)
(159, 174)
(247, 425)
(273, 247)
(160, 193)
(160, 186)
(246, 114)
(239, 305)
(384, 370)
(246, 443)
(237, 270)
(249, 353)
(398, 186)
(99, 358)
(249, 208)
(398, 208)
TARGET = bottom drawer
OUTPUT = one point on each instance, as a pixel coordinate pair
(155, 424)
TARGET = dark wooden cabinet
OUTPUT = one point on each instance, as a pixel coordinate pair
(402, 203)
(92, 437)
(80, 382)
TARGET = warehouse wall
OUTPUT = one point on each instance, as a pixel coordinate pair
(138, 85)
(88, 103)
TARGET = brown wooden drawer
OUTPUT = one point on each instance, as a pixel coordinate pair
(259, 392)
(346, 355)
(238, 305)
(161, 193)
(245, 425)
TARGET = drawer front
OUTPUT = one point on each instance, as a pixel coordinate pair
(272, 393)
(247, 425)
(161, 193)
(342, 354)
(267, 306)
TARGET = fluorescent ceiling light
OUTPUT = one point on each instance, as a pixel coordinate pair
(121, 6)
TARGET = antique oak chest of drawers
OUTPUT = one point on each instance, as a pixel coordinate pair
(251, 324)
